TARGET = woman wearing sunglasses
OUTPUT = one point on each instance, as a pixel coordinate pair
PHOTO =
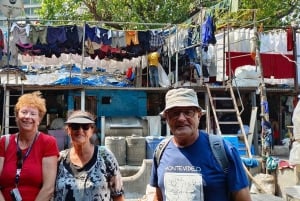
(85, 171)
(28, 160)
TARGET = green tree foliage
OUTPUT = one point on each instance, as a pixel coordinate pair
(270, 13)
(140, 13)
(137, 11)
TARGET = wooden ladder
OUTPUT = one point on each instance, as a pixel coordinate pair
(213, 100)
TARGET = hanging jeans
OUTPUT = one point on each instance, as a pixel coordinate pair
(153, 71)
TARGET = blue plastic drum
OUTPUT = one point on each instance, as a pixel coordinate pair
(151, 143)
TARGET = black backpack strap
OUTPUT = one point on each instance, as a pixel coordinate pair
(216, 144)
(217, 147)
(160, 149)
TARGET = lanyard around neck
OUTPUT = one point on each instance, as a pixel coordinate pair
(21, 158)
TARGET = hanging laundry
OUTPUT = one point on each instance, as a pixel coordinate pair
(20, 35)
(272, 64)
(72, 44)
(267, 135)
(156, 40)
(191, 51)
(289, 39)
(118, 39)
(1, 44)
(131, 38)
(1, 40)
(208, 32)
(144, 39)
(37, 34)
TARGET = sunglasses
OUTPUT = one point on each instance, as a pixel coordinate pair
(174, 114)
(76, 127)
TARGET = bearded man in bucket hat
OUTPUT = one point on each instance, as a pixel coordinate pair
(187, 168)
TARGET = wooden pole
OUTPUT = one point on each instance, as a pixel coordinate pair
(258, 186)
(263, 95)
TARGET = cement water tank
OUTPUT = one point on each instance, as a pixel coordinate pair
(117, 145)
(135, 149)
(125, 126)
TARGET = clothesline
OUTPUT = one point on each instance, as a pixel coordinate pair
(101, 23)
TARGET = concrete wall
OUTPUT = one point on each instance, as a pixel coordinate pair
(135, 186)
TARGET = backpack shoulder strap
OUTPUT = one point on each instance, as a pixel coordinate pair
(216, 144)
(6, 141)
(160, 149)
(7, 137)
(217, 147)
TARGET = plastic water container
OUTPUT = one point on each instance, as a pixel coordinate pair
(151, 143)
(135, 149)
(243, 151)
(233, 139)
(117, 145)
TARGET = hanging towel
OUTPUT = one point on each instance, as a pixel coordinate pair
(154, 125)
(272, 163)
(250, 162)
(285, 164)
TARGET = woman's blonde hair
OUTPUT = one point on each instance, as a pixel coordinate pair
(33, 99)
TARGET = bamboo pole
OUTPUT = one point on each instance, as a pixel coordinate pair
(263, 95)
(258, 186)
